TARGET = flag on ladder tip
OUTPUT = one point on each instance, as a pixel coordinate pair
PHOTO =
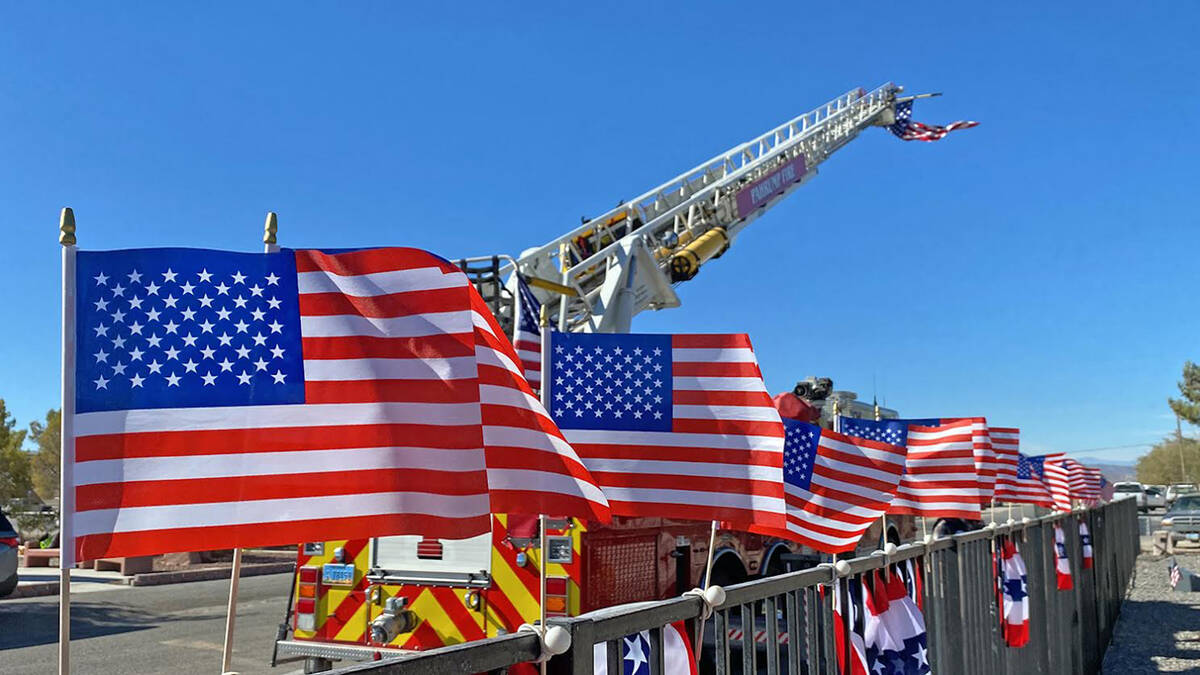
(836, 486)
(637, 652)
(1014, 593)
(905, 128)
(1062, 562)
(671, 426)
(229, 399)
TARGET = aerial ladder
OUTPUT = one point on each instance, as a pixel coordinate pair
(601, 274)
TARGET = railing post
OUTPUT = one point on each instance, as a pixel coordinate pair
(579, 658)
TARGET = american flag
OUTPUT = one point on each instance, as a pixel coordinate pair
(230, 399)
(1091, 480)
(527, 333)
(671, 426)
(908, 130)
(836, 485)
(1174, 573)
(986, 464)
(1005, 443)
(1027, 486)
(939, 479)
(1057, 474)
(892, 432)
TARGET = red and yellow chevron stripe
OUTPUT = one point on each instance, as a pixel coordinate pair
(444, 614)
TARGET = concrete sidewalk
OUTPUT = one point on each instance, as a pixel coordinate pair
(40, 581)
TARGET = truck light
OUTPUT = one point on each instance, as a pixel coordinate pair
(306, 591)
(556, 603)
(522, 559)
(1167, 522)
(556, 586)
(306, 614)
(309, 575)
(472, 599)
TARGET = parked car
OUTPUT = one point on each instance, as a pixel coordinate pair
(1156, 497)
(8, 556)
(1130, 490)
(1182, 520)
(1178, 490)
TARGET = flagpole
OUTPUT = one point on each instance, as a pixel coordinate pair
(270, 229)
(708, 565)
(544, 394)
(66, 493)
(883, 515)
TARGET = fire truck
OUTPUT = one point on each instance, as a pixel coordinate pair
(367, 599)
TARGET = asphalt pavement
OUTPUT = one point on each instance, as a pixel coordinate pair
(152, 629)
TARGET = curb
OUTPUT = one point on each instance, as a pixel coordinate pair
(43, 588)
(184, 576)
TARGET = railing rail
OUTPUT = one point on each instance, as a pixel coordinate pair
(784, 624)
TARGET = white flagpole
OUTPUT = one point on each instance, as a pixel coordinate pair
(544, 393)
(235, 572)
(708, 565)
(66, 492)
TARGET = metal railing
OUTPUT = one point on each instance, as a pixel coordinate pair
(784, 624)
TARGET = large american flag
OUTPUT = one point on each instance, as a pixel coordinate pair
(527, 333)
(905, 128)
(836, 485)
(939, 479)
(1006, 443)
(1027, 486)
(230, 399)
(671, 426)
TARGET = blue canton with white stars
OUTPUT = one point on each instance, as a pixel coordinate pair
(1034, 466)
(176, 328)
(800, 452)
(1024, 468)
(611, 382)
(892, 432)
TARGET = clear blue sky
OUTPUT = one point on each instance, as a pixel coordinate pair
(1040, 269)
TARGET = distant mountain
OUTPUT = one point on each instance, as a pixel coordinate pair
(1096, 461)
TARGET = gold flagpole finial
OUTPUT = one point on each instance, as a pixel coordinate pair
(66, 227)
(270, 228)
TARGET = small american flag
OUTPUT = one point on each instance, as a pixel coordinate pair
(1057, 474)
(1176, 574)
(1006, 443)
(985, 456)
(1026, 486)
(671, 426)
(837, 485)
(230, 399)
(940, 479)
(908, 130)
(527, 333)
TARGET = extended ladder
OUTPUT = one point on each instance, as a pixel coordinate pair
(596, 277)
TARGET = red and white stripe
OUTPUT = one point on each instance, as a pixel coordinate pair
(1057, 477)
(986, 463)
(1085, 483)
(853, 482)
(527, 339)
(723, 458)
(940, 478)
(393, 437)
(1006, 444)
(531, 467)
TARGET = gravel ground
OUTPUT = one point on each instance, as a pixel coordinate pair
(1159, 629)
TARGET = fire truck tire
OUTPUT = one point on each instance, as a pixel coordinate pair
(316, 664)
(728, 569)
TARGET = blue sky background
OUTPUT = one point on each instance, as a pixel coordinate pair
(1040, 269)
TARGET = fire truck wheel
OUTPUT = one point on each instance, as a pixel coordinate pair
(316, 664)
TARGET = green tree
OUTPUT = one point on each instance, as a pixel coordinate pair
(1187, 406)
(1170, 461)
(46, 463)
(15, 481)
